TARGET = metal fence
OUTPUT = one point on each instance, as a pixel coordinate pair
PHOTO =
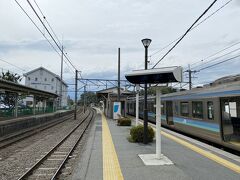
(10, 113)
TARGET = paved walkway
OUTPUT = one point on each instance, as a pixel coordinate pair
(109, 155)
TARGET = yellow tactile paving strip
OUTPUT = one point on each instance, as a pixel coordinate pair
(219, 160)
(111, 166)
(209, 155)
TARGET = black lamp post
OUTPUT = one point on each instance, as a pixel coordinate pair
(146, 43)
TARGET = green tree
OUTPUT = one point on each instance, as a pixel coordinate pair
(8, 98)
(11, 77)
(90, 97)
(152, 91)
(70, 101)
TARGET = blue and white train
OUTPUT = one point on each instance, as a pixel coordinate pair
(211, 113)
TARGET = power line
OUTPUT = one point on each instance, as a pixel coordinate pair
(217, 57)
(13, 65)
(37, 27)
(232, 58)
(42, 32)
(185, 33)
(50, 33)
(44, 17)
(228, 47)
(209, 16)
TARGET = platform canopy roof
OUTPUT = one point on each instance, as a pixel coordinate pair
(113, 91)
(18, 88)
(153, 76)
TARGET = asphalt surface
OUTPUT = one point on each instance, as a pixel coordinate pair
(187, 163)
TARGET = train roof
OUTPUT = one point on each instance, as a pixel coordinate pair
(224, 90)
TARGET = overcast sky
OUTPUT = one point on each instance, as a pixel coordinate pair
(92, 31)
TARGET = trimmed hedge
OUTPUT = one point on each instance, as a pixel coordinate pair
(136, 133)
(124, 122)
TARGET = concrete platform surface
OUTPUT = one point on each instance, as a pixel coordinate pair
(187, 164)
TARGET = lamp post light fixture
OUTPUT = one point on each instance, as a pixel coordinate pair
(146, 42)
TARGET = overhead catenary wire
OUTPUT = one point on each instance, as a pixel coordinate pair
(59, 47)
(212, 55)
(185, 33)
(226, 60)
(37, 27)
(13, 65)
(212, 60)
(43, 34)
(44, 17)
(209, 16)
(60, 44)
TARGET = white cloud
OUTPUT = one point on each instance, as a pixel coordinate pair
(92, 30)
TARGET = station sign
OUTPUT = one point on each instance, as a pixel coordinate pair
(116, 110)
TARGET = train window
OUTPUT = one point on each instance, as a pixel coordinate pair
(184, 109)
(233, 109)
(175, 108)
(197, 109)
(162, 109)
(210, 110)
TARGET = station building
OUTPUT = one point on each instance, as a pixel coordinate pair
(110, 96)
(43, 79)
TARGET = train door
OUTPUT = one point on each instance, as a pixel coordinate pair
(230, 108)
(169, 112)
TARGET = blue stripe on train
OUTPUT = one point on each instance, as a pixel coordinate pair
(199, 124)
(194, 123)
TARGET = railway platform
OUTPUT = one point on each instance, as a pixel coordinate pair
(108, 155)
(12, 127)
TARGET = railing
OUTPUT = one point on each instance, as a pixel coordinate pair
(10, 113)
(6, 113)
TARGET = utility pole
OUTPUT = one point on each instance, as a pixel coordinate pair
(190, 77)
(76, 88)
(84, 99)
(61, 83)
(190, 72)
(118, 74)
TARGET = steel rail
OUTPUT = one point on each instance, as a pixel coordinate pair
(70, 152)
(23, 135)
(38, 163)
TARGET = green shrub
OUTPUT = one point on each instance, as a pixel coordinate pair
(136, 133)
(124, 122)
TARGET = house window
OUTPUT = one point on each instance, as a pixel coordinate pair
(29, 78)
(36, 79)
(52, 79)
(52, 87)
(184, 109)
(210, 110)
(45, 79)
(197, 109)
(35, 86)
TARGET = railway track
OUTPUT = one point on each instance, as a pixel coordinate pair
(50, 164)
(27, 133)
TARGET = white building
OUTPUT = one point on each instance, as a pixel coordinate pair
(46, 80)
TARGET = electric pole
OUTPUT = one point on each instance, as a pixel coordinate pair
(118, 74)
(61, 83)
(84, 99)
(76, 89)
(190, 72)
